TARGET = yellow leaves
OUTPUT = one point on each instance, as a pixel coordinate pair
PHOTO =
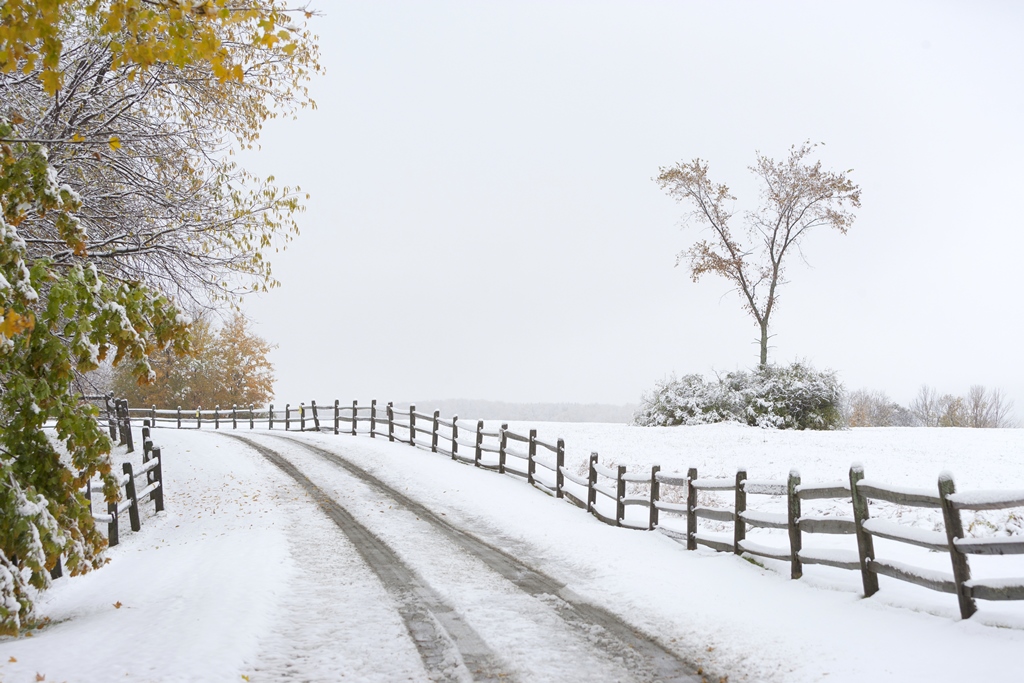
(114, 142)
(77, 137)
(12, 323)
(52, 81)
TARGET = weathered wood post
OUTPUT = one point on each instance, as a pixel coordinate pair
(455, 437)
(502, 448)
(152, 415)
(620, 495)
(302, 416)
(355, 417)
(216, 416)
(119, 409)
(479, 443)
(795, 539)
(865, 546)
(111, 415)
(158, 495)
(337, 415)
(234, 416)
(532, 453)
(592, 483)
(270, 417)
(373, 418)
(199, 417)
(691, 509)
(112, 537)
(252, 416)
(316, 417)
(559, 466)
(412, 425)
(391, 421)
(129, 490)
(287, 416)
(655, 496)
(179, 417)
(128, 427)
(955, 530)
(739, 530)
(433, 434)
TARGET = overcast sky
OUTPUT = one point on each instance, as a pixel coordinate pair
(484, 224)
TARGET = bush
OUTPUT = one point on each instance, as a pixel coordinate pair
(791, 397)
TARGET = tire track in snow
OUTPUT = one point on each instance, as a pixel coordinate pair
(645, 659)
(450, 649)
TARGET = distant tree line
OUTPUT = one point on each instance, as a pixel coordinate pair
(980, 407)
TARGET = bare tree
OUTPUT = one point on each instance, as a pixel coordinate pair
(925, 406)
(796, 197)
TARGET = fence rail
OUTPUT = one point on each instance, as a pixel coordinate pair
(604, 493)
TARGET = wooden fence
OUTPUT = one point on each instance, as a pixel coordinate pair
(603, 493)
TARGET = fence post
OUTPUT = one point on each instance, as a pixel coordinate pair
(865, 546)
(795, 539)
(111, 415)
(128, 427)
(559, 464)
(287, 416)
(391, 421)
(691, 509)
(433, 434)
(455, 437)
(739, 531)
(355, 417)
(592, 483)
(199, 417)
(502, 446)
(337, 415)
(954, 530)
(129, 490)
(179, 417)
(316, 418)
(479, 443)
(252, 417)
(152, 415)
(234, 416)
(373, 418)
(655, 496)
(302, 416)
(620, 495)
(216, 417)
(412, 425)
(118, 411)
(532, 453)
(112, 537)
(270, 417)
(158, 495)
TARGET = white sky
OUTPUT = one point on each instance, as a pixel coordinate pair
(483, 223)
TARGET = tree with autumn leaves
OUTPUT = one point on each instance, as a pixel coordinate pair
(223, 368)
(122, 215)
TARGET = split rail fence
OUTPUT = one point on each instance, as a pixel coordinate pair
(603, 492)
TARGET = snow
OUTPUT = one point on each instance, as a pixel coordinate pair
(243, 576)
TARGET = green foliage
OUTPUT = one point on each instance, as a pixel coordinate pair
(790, 397)
(56, 323)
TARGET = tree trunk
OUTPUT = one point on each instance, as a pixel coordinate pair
(764, 344)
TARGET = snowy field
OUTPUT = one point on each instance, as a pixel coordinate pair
(244, 578)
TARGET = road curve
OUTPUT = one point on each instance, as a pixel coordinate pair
(439, 633)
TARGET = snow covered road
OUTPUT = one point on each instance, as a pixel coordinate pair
(543, 632)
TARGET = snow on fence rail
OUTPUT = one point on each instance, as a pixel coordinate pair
(603, 493)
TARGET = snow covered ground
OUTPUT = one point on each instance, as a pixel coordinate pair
(244, 578)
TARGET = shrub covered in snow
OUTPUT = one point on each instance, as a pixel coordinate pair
(789, 397)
